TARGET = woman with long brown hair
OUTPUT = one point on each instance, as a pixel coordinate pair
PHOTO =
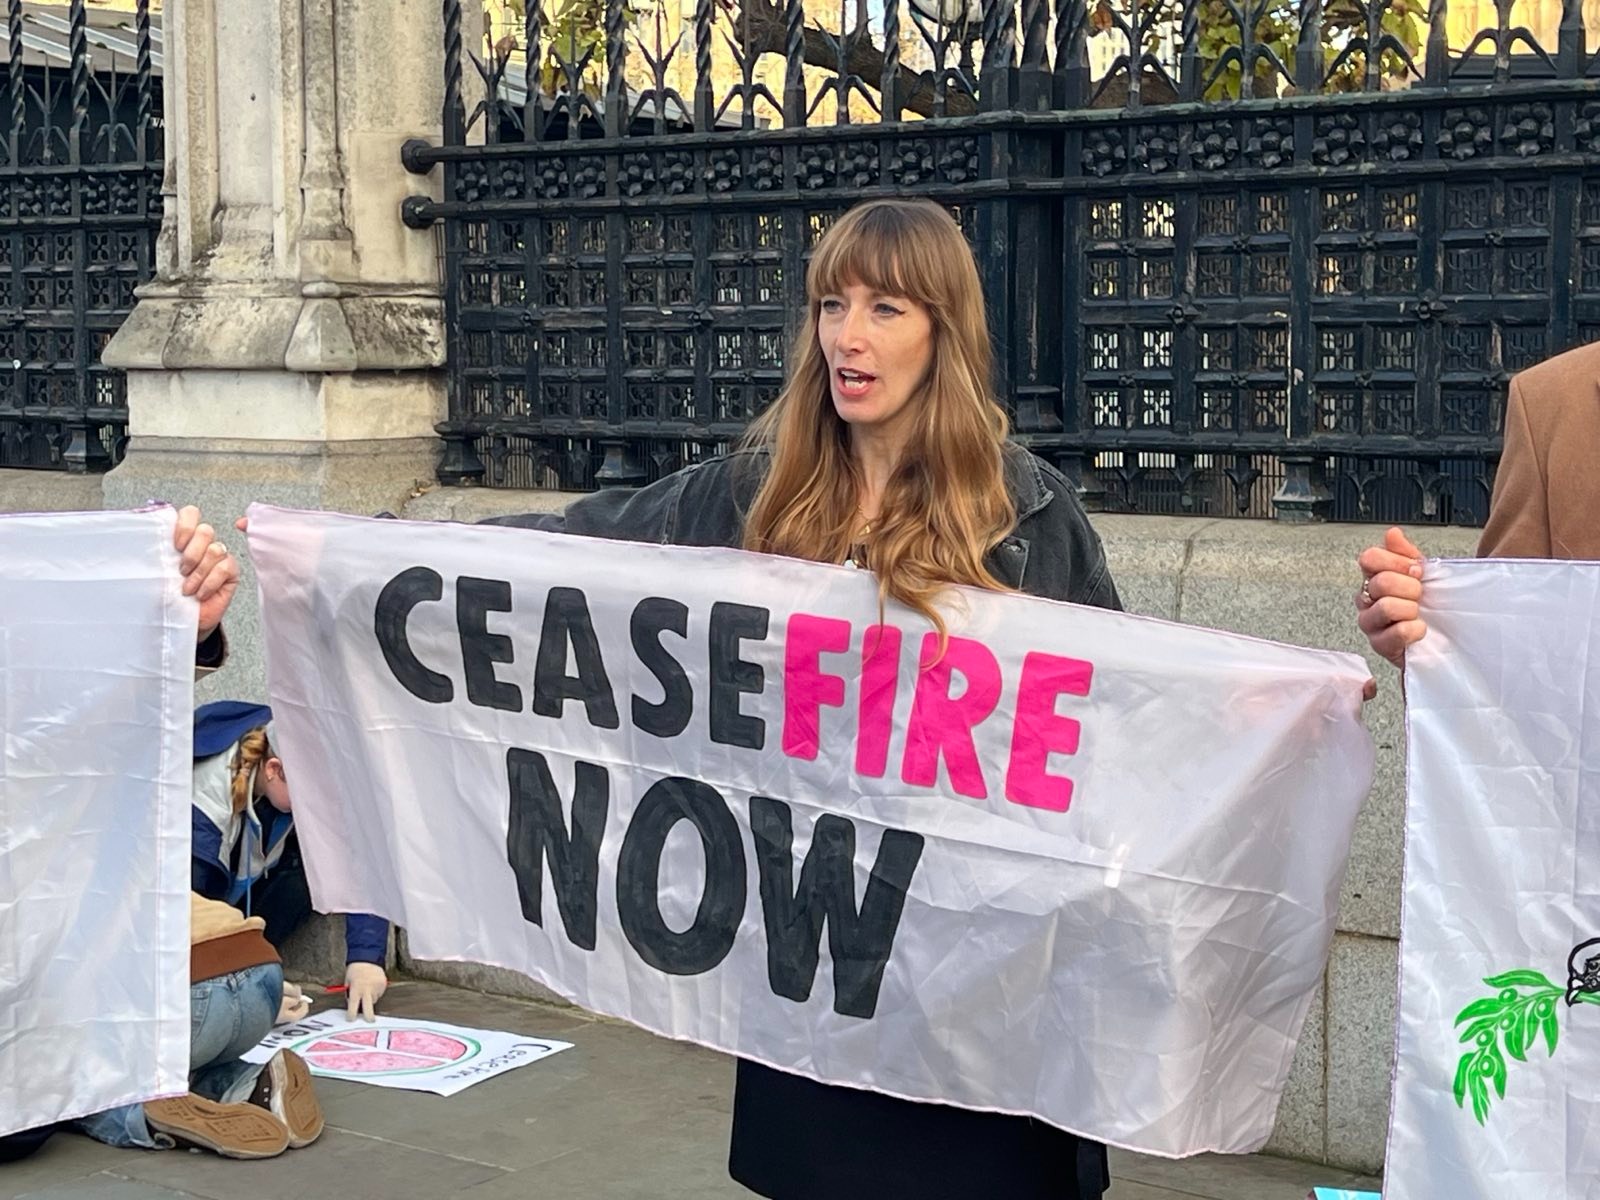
(886, 449)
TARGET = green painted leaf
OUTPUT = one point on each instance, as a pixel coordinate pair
(1515, 1034)
(1520, 979)
(1490, 1006)
(1484, 1025)
(1552, 1030)
(1480, 1097)
(1498, 1063)
(1463, 1075)
(1530, 1026)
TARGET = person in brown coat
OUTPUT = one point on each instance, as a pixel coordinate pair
(234, 1108)
(1546, 501)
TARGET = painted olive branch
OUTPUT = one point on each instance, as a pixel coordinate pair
(1512, 1017)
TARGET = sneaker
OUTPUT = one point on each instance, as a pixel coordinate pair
(285, 1091)
(231, 1130)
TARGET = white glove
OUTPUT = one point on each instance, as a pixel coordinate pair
(364, 984)
(294, 1006)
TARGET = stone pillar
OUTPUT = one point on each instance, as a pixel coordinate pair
(289, 348)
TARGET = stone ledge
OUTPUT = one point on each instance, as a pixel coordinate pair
(496, 981)
(1329, 549)
(208, 408)
(314, 953)
(469, 504)
(28, 491)
(229, 331)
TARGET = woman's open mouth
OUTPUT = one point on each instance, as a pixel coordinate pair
(852, 382)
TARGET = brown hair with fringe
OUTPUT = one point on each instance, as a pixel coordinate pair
(253, 754)
(946, 505)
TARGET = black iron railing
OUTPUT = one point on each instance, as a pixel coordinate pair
(80, 206)
(1273, 260)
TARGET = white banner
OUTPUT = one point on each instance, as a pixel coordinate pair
(96, 707)
(1497, 1086)
(1084, 867)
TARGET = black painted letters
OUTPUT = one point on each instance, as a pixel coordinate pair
(537, 832)
(400, 595)
(860, 941)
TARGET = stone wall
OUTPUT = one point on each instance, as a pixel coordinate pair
(49, 491)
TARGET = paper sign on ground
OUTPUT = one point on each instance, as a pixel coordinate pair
(420, 1056)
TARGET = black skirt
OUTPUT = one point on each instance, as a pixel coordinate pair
(796, 1139)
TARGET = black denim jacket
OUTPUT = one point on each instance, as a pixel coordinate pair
(1052, 552)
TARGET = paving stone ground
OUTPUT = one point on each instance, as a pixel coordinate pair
(622, 1116)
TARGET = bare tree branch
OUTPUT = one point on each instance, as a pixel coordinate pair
(760, 24)
(761, 29)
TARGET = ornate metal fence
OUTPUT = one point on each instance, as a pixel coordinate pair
(1241, 256)
(80, 206)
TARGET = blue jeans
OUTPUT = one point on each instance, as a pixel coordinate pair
(228, 1016)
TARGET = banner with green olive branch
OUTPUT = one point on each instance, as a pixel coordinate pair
(1524, 1009)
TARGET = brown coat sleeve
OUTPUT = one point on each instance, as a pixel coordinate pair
(1519, 514)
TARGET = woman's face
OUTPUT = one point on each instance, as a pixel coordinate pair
(274, 786)
(878, 350)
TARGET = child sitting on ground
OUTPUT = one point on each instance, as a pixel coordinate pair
(245, 848)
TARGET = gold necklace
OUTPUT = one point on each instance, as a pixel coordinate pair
(855, 553)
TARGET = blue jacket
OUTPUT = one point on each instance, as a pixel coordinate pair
(218, 728)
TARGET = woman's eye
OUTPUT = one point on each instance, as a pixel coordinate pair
(888, 310)
(831, 305)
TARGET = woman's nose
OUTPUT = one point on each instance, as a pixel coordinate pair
(852, 328)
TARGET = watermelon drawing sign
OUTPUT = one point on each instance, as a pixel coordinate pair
(385, 1050)
(425, 1056)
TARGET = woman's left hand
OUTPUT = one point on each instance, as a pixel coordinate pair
(365, 984)
(210, 573)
